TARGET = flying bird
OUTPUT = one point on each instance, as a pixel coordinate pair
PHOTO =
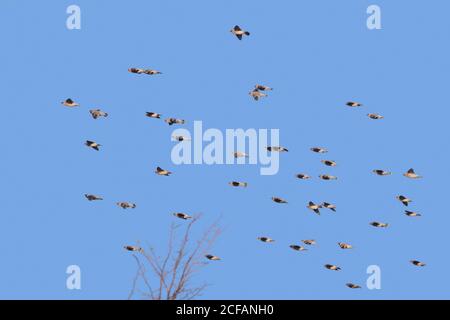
(265, 239)
(277, 149)
(353, 104)
(238, 184)
(93, 145)
(309, 242)
(404, 200)
(330, 206)
(332, 267)
(375, 116)
(126, 205)
(412, 214)
(239, 154)
(180, 138)
(256, 94)
(69, 103)
(303, 176)
(97, 113)
(136, 70)
(172, 121)
(145, 71)
(343, 245)
(297, 247)
(161, 172)
(353, 286)
(329, 163)
(379, 224)
(381, 172)
(327, 177)
(212, 257)
(319, 150)
(261, 87)
(278, 200)
(411, 174)
(418, 263)
(153, 115)
(133, 248)
(92, 197)
(238, 32)
(181, 215)
(152, 72)
(314, 207)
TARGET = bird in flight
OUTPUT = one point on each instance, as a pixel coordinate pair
(353, 104)
(353, 286)
(256, 94)
(181, 215)
(296, 247)
(344, 245)
(239, 33)
(329, 163)
(212, 257)
(153, 115)
(379, 224)
(327, 177)
(314, 207)
(319, 150)
(69, 103)
(309, 242)
(172, 121)
(97, 113)
(330, 206)
(303, 176)
(418, 263)
(239, 154)
(404, 200)
(265, 239)
(278, 200)
(92, 197)
(261, 87)
(180, 138)
(93, 145)
(133, 248)
(238, 184)
(126, 205)
(161, 172)
(375, 116)
(144, 71)
(332, 267)
(381, 172)
(412, 214)
(277, 149)
(411, 174)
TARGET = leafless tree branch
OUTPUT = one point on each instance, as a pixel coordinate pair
(173, 272)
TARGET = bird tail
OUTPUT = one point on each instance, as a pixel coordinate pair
(106, 114)
(244, 184)
(247, 33)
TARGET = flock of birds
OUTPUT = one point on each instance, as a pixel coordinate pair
(257, 93)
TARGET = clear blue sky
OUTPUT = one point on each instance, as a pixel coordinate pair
(316, 54)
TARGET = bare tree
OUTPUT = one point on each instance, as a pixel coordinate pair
(172, 274)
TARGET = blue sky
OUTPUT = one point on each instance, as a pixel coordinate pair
(316, 54)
